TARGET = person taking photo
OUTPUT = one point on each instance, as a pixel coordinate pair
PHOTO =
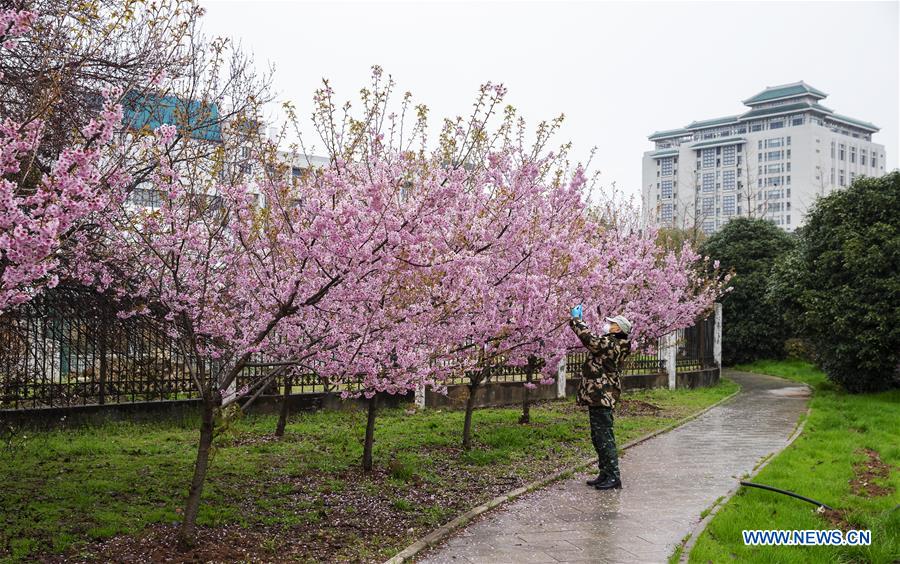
(600, 389)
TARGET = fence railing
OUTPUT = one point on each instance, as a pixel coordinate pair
(68, 348)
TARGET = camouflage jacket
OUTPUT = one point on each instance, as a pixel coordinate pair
(600, 374)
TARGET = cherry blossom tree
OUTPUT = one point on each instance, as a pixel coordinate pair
(40, 210)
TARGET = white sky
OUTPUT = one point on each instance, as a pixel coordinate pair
(619, 71)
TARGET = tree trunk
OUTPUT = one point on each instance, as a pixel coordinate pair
(370, 434)
(526, 395)
(470, 407)
(282, 417)
(186, 535)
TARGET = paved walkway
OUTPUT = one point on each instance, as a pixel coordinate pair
(668, 481)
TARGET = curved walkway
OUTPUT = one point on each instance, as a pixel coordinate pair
(668, 481)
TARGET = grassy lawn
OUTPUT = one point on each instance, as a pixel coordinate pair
(116, 489)
(847, 457)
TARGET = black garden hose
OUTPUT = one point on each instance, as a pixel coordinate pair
(785, 492)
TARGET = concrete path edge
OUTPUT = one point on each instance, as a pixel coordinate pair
(692, 537)
(441, 533)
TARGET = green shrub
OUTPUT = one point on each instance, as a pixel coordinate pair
(849, 272)
(752, 327)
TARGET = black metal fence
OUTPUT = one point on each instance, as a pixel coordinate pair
(636, 364)
(68, 347)
(695, 346)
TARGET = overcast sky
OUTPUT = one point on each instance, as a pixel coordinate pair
(619, 71)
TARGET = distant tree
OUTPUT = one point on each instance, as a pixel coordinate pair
(673, 238)
(846, 270)
(785, 285)
(753, 328)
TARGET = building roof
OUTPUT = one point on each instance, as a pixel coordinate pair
(858, 123)
(711, 122)
(785, 108)
(717, 142)
(669, 133)
(781, 91)
(663, 153)
(192, 118)
(770, 94)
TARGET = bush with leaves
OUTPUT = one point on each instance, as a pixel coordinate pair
(848, 272)
(753, 328)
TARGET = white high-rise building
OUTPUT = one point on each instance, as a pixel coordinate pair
(772, 161)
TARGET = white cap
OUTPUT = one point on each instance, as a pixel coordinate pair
(622, 322)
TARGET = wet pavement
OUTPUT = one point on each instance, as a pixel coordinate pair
(668, 481)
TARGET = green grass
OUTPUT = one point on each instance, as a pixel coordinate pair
(819, 464)
(61, 490)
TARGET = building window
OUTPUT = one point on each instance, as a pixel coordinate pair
(774, 155)
(709, 227)
(666, 189)
(842, 183)
(862, 157)
(728, 203)
(146, 197)
(853, 154)
(709, 158)
(759, 145)
(841, 152)
(874, 160)
(296, 171)
(756, 126)
(797, 120)
(789, 167)
(773, 143)
(708, 205)
(788, 139)
(667, 165)
(666, 212)
(788, 180)
(789, 219)
(245, 169)
(709, 181)
(832, 149)
(776, 124)
(774, 168)
(728, 179)
(728, 155)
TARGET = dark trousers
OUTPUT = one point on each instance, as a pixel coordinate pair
(604, 440)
